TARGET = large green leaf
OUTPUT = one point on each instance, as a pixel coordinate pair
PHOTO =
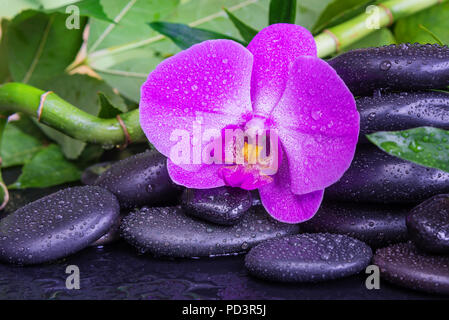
(378, 38)
(88, 8)
(47, 168)
(125, 54)
(21, 141)
(40, 46)
(185, 36)
(426, 146)
(81, 91)
(282, 11)
(435, 19)
(339, 10)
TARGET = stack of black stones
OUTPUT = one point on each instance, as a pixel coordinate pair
(383, 211)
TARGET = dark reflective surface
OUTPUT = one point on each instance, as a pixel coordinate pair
(118, 272)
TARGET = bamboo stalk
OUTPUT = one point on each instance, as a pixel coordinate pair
(332, 40)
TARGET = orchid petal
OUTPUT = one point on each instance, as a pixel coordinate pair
(275, 48)
(285, 206)
(208, 83)
(205, 178)
(318, 124)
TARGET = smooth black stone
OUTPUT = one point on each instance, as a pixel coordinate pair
(111, 236)
(91, 174)
(428, 224)
(403, 67)
(57, 225)
(400, 111)
(140, 180)
(375, 224)
(170, 232)
(222, 205)
(403, 264)
(308, 258)
(375, 176)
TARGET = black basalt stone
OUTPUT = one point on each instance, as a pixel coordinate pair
(375, 176)
(403, 264)
(428, 224)
(400, 111)
(403, 67)
(140, 180)
(57, 225)
(377, 225)
(223, 205)
(170, 232)
(308, 258)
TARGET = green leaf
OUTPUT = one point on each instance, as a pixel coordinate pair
(378, 38)
(87, 8)
(47, 168)
(125, 53)
(339, 10)
(247, 32)
(82, 92)
(426, 146)
(20, 142)
(185, 36)
(282, 11)
(436, 18)
(40, 46)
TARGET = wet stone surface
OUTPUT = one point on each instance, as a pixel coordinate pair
(376, 225)
(375, 176)
(308, 258)
(57, 225)
(403, 264)
(140, 180)
(170, 232)
(223, 205)
(428, 224)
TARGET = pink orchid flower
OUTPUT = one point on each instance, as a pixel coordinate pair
(276, 83)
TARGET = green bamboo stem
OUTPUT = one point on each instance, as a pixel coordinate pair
(333, 39)
(63, 116)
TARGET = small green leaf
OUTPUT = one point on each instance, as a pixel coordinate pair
(40, 46)
(184, 36)
(107, 109)
(247, 32)
(426, 146)
(4, 69)
(47, 168)
(433, 35)
(282, 11)
(20, 143)
(87, 8)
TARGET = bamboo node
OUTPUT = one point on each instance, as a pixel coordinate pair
(388, 12)
(41, 105)
(125, 132)
(335, 38)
